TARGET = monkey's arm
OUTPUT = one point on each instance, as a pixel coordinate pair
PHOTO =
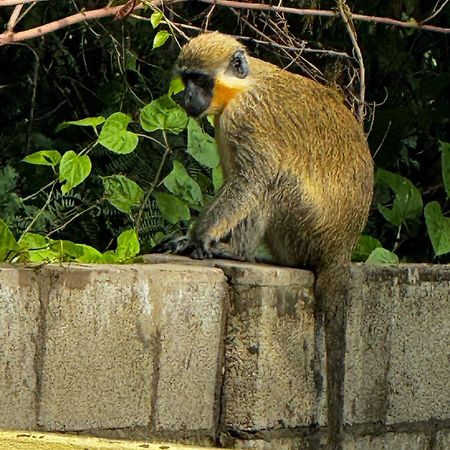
(235, 201)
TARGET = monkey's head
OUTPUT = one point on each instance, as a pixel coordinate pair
(214, 68)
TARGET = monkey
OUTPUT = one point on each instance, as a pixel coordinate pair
(298, 172)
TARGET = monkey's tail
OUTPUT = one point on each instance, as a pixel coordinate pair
(332, 284)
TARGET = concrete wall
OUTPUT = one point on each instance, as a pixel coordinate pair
(225, 352)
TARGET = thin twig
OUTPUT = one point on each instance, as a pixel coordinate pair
(29, 197)
(64, 225)
(346, 16)
(155, 181)
(13, 19)
(36, 217)
(323, 13)
(436, 11)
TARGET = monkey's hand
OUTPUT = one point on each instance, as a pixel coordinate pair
(194, 247)
(179, 245)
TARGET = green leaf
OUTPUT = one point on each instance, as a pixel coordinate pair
(44, 158)
(73, 169)
(438, 227)
(176, 85)
(408, 201)
(201, 146)
(127, 245)
(179, 183)
(67, 250)
(110, 257)
(89, 255)
(217, 178)
(36, 248)
(122, 192)
(7, 241)
(160, 38)
(445, 149)
(114, 135)
(163, 114)
(364, 247)
(172, 208)
(155, 18)
(87, 122)
(382, 256)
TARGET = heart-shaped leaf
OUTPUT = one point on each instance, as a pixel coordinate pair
(201, 146)
(127, 244)
(364, 247)
(408, 201)
(156, 18)
(86, 122)
(438, 227)
(160, 38)
(44, 158)
(115, 136)
(182, 185)
(163, 114)
(122, 192)
(445, 149)
(7, 241)
(382, 256)
(172, 208)
(73, 170)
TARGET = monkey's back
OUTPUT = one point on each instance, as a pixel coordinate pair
(321, 167)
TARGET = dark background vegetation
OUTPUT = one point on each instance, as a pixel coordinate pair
(105, 66)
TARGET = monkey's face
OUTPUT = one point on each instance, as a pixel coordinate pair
(214, 68)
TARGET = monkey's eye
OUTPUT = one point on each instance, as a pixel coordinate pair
(239, 65)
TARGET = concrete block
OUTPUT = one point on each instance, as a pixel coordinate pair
(442, 440)
(275, 444)
(398, 341)
(388, 441)
(191, 334)
(270, 349)
(19, 332)
(126, 345)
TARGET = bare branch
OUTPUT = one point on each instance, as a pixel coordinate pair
(14, 16)
(18, 2)
(346, 16)
(436, 11)
(10, 37)
(323, 13)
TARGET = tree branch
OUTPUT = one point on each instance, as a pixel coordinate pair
(18, 2)
(10, 37)
(323, 13)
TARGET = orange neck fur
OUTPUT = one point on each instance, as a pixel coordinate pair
(223, 94)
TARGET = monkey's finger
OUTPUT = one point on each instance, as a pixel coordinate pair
(172, 244)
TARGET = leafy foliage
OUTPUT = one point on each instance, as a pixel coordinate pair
(94, 148)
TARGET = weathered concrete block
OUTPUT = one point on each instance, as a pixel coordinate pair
(131, 346)
(270, 350)
(191, 333)
(442, 440)
(291, 443)
(388, 441)
(398, 341)
(19, 331)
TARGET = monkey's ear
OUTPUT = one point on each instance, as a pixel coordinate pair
(239, 64)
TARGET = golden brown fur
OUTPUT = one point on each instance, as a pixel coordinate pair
(297, 167)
